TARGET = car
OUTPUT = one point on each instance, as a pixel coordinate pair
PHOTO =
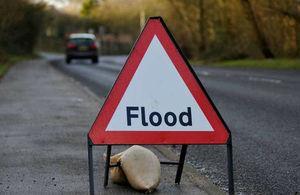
(81, 46)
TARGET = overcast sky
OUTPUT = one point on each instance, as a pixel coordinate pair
(58, 3)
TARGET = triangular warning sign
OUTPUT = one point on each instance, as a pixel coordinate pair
(157, 98)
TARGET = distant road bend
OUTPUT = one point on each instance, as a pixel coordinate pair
(261, 107)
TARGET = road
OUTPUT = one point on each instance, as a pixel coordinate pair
(261, 108)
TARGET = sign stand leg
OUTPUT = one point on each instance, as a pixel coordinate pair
(181, 163)
(91, 170)
(107, 165)
(230, 167)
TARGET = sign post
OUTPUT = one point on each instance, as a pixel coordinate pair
(230, 166)
(158, 99)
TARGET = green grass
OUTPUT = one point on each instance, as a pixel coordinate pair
(3, 69)
(257, 63)
(263, 63)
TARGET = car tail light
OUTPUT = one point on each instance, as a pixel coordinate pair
(93, 46)
(71, 46)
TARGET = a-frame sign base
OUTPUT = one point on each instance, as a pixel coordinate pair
(179, 164)
(158, 99)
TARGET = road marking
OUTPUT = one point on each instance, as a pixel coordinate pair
(267, 80)
(204, 73)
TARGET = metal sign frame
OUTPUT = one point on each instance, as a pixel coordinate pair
(180, 164)
(181, 161)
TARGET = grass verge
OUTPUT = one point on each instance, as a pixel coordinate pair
(256, 63)
(3, 69)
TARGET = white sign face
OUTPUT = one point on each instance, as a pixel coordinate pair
(157, 98)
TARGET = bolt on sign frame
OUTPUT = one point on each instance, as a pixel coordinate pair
(100, 136)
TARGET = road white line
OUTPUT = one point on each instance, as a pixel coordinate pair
(267, 80)
(204, 73)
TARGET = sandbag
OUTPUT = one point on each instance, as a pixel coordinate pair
(116, 173)
(141, 168)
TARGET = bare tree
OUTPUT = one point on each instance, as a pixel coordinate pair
(201, 25)
(264, 46)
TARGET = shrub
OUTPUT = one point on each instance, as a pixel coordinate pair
(20, 24)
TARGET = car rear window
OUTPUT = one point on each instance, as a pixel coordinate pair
(81, 41)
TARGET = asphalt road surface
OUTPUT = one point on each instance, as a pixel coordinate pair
(261, 107)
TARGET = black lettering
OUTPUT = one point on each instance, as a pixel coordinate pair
(144, 123)
(174, 120)
(158, 116)
(130, 115)
(188, 114)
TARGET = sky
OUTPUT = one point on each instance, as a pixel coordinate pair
(57, 3)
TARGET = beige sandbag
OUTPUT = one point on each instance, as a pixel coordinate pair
(141, 167)
(116, 173)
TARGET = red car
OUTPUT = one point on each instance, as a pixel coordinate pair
(82, 46)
